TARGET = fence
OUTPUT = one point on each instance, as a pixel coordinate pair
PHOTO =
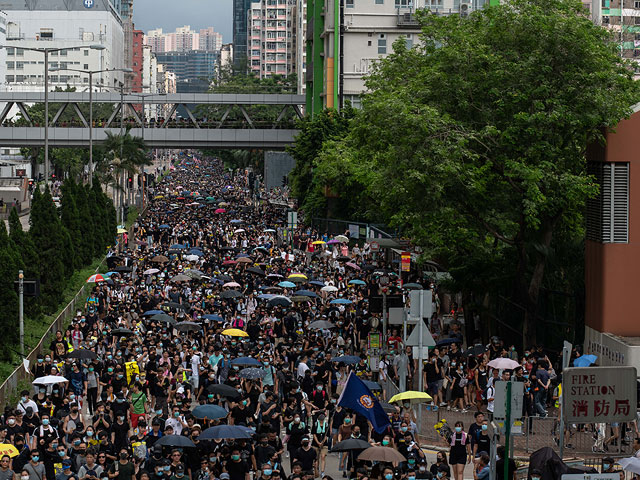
(358, 230)
(10, 385)
(538, 432)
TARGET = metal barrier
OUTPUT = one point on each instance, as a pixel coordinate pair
(10, 385)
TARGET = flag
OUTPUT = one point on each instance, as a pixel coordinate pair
(357, 396)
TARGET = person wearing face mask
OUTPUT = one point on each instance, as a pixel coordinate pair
(123, 469)
(607, 465)
(26, 402)
(535, 474)
(460, 452)
(297, 430)
(35, 468)
(388, 474)
(236, 467)
(307, 456)
(44, 434)
(482, 442)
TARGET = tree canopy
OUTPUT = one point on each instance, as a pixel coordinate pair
(473, 141)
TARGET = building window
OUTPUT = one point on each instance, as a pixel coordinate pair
(382, 44)
(11, 65)
(636, 4)
(11, 51)
(86, 53)
(379, 2)
(608, 212)
(349, 3)
(369, 43)
(10, 78)
(86, 66)
(408, 41)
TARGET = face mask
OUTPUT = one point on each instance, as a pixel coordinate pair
(484, 427)
(24, 477)
(385, 442)
(458, 429)
(123, 456)
(24, 399)
(110, 370)
(605, 466)
(442, 473)
(244, 402)
(210, 395)
(91, 369)
(41, 360)
(61, 454)
(319, 388)
(11, 421)
(403, 429)
(388, 476)
(297, 419)
(158, 412)
(412, 461)
(120, 400)
(235, 457)
(45, 422)
(411, 478)
(159, 473)
(347, 421)
(120, 377)
(176, 414)
(423, 469)
(89, 434)
(167, 468)
(535, 478)
(213, 459)
(121, 418)
(110, 357)
(268, 472)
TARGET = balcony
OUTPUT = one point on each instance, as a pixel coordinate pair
(407, 18)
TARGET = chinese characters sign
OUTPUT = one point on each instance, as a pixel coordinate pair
(406, 261)
(599, 394)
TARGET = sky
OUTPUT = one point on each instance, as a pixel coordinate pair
(169, 14)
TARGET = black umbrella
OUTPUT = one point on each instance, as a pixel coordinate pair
(223, 390)
(175, 441)
(350, 444)
(226, 431)
(187, 327)
(82, 354)
(122, 332)
(123, 269)
(255, 271)
(164, 318)
(230, 294)
(343, 258)
(174, 305)
(225, 278)
(113, 261)
(476, 350)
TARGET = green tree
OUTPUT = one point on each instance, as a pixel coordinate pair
(70, 218)
(29, 255)
(316, 131)
(49, 236)
(474, 140)
(10, 263)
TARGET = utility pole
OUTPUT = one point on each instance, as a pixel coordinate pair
(21, 309)
(507, 431)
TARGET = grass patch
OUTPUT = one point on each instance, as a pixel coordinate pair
(132, 216)
(34, 328)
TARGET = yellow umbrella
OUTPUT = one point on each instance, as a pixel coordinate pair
(8, 449)
(122, 230)
(158, 197)
(235, 332)
(297, 275)
(411, 396)
(318, 242)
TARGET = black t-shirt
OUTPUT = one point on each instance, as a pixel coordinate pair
(59, 348)
(500, 469)
(237, 470)
(306, 457)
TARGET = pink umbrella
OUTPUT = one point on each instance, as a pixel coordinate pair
(229, 262)
(220, 210)
(231, 285)
(352, 265)
(333, 241)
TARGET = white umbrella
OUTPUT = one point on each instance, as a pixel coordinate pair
(503, 363)
(329, 288)
(240, 230)
(49, 380)
(342, 238)
(192, 258)
(630, 464)
(231, 285)
(151, 271)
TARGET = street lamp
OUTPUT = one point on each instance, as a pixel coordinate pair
(46, 51)
(90, 73)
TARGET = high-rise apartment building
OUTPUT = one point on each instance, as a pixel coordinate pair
(270, 37)
(209, 40)
(346, 37)
(183, 40)
(126, 12)
(137, 60)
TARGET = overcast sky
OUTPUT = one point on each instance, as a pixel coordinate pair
(169, 14)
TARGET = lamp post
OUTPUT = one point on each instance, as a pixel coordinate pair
(90, 73)
(46, 51)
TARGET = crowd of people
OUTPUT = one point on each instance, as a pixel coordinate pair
(217, 348)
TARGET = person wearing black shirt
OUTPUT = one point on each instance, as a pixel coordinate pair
(237, 468)
(306, 455)
(482, 443)
(500, 466)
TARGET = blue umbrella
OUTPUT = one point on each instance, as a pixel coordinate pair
(177, 246)
(372, 385)
(279, 301)
(357, 282)
(213, 317)
(447, 341)
(197, 253)
(235, 220)
(252, 373)
(341, 301)
(266, 296)
(250, 361)
(317, 283)
(210, 412)
(349, 359)
(164, 227)
(287, 285)
(152, 312)
(226, 431)
(585, 360)
(306, 293)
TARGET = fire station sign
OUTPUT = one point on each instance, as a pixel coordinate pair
(599, 394)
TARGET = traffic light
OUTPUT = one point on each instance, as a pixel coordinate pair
(125, 213)
(130, 182)
(30, 185)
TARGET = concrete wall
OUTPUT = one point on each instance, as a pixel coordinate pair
(276, 166)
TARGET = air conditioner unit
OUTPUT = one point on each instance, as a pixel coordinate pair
(465, 8)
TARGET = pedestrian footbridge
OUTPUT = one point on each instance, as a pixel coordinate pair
(180, 120)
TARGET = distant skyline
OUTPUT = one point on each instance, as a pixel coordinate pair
(171, 14)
